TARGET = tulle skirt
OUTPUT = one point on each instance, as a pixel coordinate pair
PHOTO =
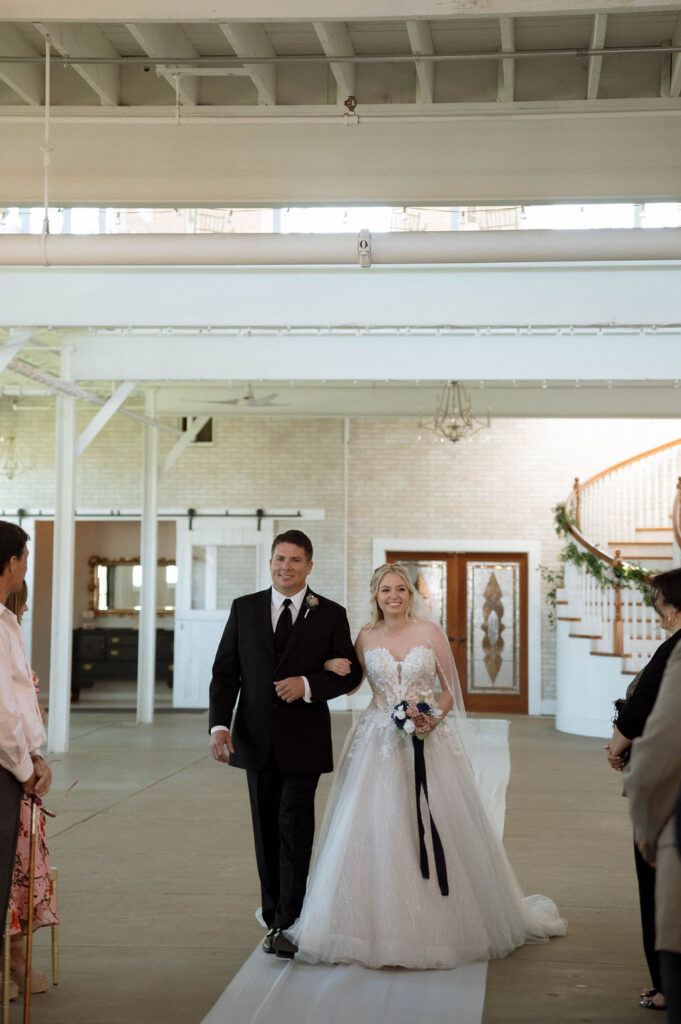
(367, 901)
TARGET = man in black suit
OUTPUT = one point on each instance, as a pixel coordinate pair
(272, 656)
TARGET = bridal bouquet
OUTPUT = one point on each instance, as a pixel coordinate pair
(415, 719)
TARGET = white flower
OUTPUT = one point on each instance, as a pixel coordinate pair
(409, 726)
(400, 713)
(438, 712)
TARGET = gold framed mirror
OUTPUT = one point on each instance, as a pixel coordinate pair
(115, 586)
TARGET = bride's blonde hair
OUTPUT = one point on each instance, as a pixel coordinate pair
(378, 574)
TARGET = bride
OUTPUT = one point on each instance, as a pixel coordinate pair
(396, 879)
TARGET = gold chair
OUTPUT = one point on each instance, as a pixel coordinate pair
(54, 875)
(5, 968)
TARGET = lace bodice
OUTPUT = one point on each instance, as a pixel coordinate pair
(392, 681)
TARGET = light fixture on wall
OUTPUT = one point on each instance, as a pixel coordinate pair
(453, 419)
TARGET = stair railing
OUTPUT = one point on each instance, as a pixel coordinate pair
(609, 506)
(608, 613)
(636, 492)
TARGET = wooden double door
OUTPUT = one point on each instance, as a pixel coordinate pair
(480, 601)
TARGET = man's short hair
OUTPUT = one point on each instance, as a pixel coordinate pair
(12, 543)
(297, 537)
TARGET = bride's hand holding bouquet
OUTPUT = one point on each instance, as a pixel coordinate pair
(416, 718)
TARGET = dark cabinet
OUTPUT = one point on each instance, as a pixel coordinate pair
(111, 654)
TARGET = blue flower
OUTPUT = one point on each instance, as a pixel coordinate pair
(399, 715)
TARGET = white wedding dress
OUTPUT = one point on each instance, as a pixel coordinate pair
(366, 900)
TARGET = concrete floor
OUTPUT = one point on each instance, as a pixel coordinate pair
(158, 883)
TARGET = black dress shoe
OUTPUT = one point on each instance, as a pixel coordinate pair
(283, 947)
(268, 941)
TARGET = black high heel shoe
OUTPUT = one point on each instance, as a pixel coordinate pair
(646, 1001)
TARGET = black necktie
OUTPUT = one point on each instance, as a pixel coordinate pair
(284, 626)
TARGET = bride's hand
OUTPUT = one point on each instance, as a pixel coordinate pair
(339, 666)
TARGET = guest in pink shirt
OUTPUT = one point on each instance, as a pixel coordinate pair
(22, 768)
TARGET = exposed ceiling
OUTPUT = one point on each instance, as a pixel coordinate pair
(573, 56)
(394, 101)
(454, 102)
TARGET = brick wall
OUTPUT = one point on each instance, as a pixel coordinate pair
(502, 484)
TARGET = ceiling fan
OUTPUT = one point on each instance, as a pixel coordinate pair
(248, 400)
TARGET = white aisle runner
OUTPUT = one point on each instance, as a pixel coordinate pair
(271, 991)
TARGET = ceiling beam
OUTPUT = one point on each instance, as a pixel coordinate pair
(597, 42)
(253, 41)
(336, 42)
(506, 76)
(194, 427)
(26, 80)
(64, 387)
(121, 11)
(87, 40)
(169, 41)
(421, 42)
(13, 346)
(675, 80)
(102, 417)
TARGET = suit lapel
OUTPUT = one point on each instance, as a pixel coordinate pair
(299, 627)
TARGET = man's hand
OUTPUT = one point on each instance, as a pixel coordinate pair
(29, 786)
(42, 778)
(218, 740)
(290, 689)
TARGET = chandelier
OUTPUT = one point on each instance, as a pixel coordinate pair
(10, 463)
(454, 420)
(8, 457)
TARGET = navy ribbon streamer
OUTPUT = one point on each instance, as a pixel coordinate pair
(421, 782)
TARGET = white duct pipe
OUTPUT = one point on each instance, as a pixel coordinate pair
(454, 247)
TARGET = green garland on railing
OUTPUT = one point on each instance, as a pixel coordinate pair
(625, 575)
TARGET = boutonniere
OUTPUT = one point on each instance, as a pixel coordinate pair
(311, 602)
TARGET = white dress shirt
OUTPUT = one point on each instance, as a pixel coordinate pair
(21, 728)
(276, 608)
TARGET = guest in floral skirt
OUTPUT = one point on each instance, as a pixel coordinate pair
(44, 910)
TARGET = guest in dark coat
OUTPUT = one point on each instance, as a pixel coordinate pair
(629, 723)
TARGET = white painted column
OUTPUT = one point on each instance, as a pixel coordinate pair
(146, 660)
(62, 562)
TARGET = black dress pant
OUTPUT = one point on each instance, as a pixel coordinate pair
(645, 875)
(10, 806)
(282, 808)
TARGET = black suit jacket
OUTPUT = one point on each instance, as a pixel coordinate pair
(246, 667)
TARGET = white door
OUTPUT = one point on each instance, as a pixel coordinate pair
(217, 560)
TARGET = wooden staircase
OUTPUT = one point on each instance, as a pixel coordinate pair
(606, 635)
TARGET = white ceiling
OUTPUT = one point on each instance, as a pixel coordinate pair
(275, 130)
(244, 104)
